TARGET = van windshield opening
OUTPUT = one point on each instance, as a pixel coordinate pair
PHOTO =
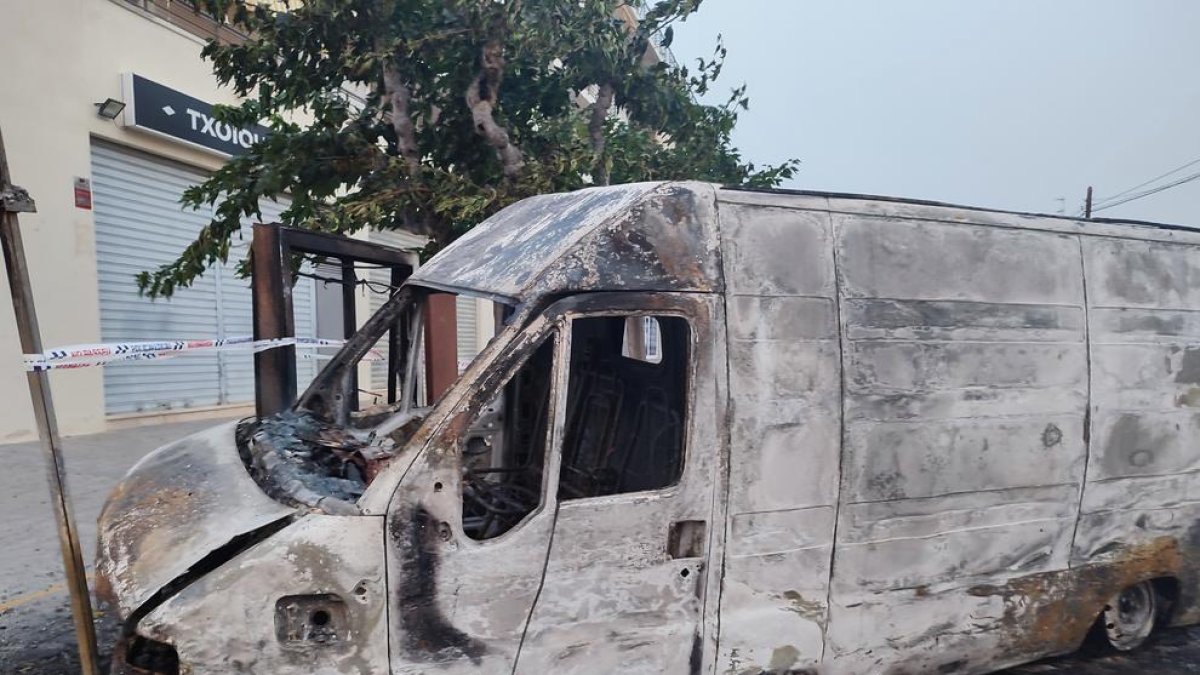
(403, 358)
(364, 406)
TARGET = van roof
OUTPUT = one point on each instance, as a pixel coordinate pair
(640, 236)
(664, 237)
(952, 205)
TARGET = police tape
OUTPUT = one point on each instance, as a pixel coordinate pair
(90, 355)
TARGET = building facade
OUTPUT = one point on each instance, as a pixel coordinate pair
(107, 193)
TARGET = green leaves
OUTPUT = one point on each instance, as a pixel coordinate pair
(371, 106)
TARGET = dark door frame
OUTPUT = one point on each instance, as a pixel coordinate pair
(273, 251)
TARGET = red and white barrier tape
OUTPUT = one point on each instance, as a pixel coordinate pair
(88, 355)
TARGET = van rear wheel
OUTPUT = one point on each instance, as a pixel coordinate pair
(1130, 616)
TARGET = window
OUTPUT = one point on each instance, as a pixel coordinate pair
(626, 405)
(184, 14)
(504, 452)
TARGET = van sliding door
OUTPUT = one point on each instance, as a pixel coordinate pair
(966, 389)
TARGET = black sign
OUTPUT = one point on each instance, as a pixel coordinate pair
(166, 112)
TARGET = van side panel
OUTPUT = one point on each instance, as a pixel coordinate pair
(1143, 492)
(784, 438)
(966, 385)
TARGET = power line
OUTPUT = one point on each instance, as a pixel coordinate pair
(1146, 193)
(1101, 203)
(373, 286)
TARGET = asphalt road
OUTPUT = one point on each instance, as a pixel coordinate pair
(36, 635)
(1171, 652)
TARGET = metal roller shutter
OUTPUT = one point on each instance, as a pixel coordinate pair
(382, 278)
(139, 226)
(468, 338)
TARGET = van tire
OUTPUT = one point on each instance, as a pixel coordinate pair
(1131, 616)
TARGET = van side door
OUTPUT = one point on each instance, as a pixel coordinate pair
(470, 526)
(633, 573)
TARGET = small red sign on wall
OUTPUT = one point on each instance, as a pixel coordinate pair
(83, 193)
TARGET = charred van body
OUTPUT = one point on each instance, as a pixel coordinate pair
(719, 431)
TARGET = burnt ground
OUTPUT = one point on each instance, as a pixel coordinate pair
(37, 637)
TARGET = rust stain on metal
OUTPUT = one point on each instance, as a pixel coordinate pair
(810, 609)
(1065, 604)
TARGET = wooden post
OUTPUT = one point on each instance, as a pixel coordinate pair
(441, 344)
(1087, 204)
(12, 201)
(274, 369)
(350, 321)
(397, 339)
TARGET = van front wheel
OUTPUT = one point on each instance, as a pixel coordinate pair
(1130, 616)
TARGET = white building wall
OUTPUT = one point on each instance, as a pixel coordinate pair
(62, 56)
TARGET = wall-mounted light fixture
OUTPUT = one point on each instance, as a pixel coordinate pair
(109, 108)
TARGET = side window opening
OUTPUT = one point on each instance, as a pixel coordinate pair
(626, 405)
(504, 452)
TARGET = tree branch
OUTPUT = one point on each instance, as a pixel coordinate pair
(397, 94)
(604, 99)
(482, 95)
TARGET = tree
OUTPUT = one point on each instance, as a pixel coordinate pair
(430, 115)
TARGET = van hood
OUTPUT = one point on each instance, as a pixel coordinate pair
(174, 508)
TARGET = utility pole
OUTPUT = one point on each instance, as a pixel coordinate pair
(1087, 204)
(14, 200)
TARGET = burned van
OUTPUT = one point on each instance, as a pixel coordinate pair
(717, 431)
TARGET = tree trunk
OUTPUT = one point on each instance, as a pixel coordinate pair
(604, 99)
(482, 95)
(397, 94)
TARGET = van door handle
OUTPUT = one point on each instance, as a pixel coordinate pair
(686, 539)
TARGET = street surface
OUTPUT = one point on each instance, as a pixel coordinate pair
(36, 636)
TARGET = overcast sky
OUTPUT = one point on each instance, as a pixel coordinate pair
(1000, 103)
